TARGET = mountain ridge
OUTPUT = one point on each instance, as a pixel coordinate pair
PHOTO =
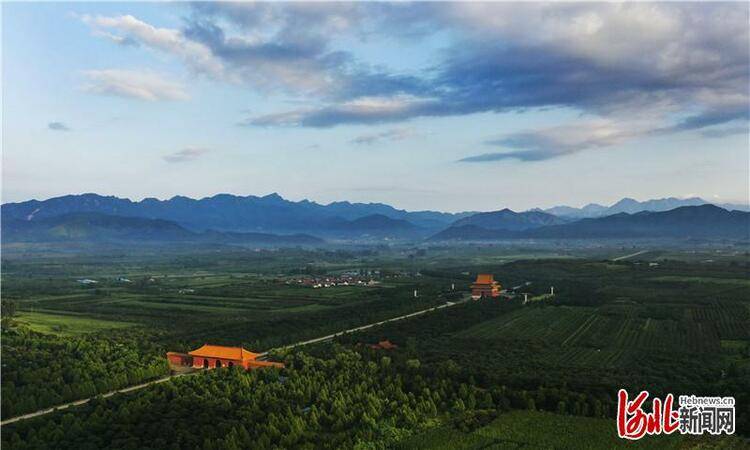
(702, 221)
(227, 212)
(506, 219)
(98, 227)
(630, 205)
(272, 214)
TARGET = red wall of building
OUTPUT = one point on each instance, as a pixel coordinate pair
(198, 362)
(179, 359)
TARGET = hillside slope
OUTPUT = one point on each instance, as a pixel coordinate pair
(96, 227)
(704, 221)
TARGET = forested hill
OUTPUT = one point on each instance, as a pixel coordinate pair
(509, 220)
(96, 227)
(705, 221)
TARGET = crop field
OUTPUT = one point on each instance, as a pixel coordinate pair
(552, 325)
(707, 280)
(610, 325)
(608, 336)
(276, 314)
(198, 302)
(540, 430)
(67, 324)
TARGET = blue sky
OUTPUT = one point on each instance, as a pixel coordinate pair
(446, 106)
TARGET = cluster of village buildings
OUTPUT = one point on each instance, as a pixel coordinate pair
(333, 280)
(349, 278)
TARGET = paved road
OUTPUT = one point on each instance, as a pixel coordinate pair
(620, 258)
(86, 400)
(167, 378)
(364, 327)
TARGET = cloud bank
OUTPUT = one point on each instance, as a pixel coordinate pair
(548, 143)
(684, 66)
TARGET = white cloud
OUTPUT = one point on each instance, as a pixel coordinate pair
(608, 60)
(142, 85)
(371, 109)
(684, 66)
(553, 142)
(185, 155)
(194, 54)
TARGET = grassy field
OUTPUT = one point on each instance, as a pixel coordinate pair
(540, 430)
(67, 324)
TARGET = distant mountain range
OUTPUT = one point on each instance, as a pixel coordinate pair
(97, 227)
(224, 212)
(704, 221)
(276, 221)
(374, 226)
(631, 206)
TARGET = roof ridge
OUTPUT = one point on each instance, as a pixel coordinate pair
(223, 351)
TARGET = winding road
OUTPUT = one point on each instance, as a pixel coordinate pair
(136, 387)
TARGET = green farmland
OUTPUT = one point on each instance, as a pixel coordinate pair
(540, 430)
(609, 326)
(705, 280)
(66, 324)
(605, 336)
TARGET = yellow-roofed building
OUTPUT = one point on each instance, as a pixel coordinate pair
(485, 286)
(213, 356)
